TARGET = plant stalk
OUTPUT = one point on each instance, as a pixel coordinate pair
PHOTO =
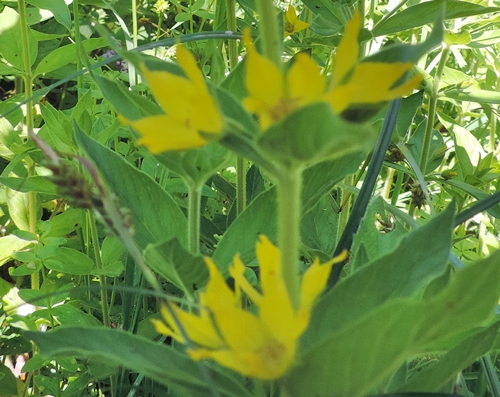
(194, 204)
(289, 211)
(269, 31)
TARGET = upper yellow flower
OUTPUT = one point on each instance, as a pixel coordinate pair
(190, 109)
(292, 23)
(272, 95)
(261, 345)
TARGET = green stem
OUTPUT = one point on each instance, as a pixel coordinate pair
(102, 279)
(134, 23)
(289, 211)
(433, 98)
(241, 185)
(345, 209)
(397, 188)
(233, 61)
(28, 92)
(194, 204)
(269, 31)
(78, 42)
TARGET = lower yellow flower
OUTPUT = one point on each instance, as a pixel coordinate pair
(261, 345)
(191, 112)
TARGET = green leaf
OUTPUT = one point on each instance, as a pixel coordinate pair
(474, 95)
(67, 54)
(434, 376)
(70, 261)
(18, 208)
(374, 242)
(260, 216)
(163, 364)
(401, 273)
(64, 223)
(196, 165)
(172, 261)
(427, 12)
(378, 342)
(11, 44)
(156, 216)
(57, 7)
(327, 10)
(313, 134)
(10, 244)
(8, 382)
(38, 184)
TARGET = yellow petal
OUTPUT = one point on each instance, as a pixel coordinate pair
(237, 271)
(162, 133)
(313, 283)
(291, 14)
(199, 329)
(305, 83)
(276, 309)
(206, 116)
(189, 66)
(263, 79)
(173, 93)
(371, 82)
(347, 52)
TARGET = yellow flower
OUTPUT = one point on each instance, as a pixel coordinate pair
(190, 109)
(273, 95)
(261, 345)
(270, 94)
(292, 23)
(364, 82)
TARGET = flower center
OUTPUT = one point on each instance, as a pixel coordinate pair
(284, 107)
(272, 353)
(289, 27)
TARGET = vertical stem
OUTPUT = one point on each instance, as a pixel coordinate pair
(102, 279)
(134, 23)
(269, 31)
(241, 187)
(433, 98)
(345, 208)
(194, 204)
(35, 278)
(289, 211)
(78, 41)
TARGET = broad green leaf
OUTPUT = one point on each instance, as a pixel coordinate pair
(172, 261)
(18, 208)
(328, 11)
(47, 385)
(427, 12)
(57, 7)
(154, 360)
(65, 55)
(376, 243)
(474, 95)
(401, 273)
(8, 382)
(378, 342)
(260, 216)
(38, 184)
(64, 223)
(318, 227)
(433, 376)
(196, 165)
(156, 216)
(70, 261)
(255, 183)
(11, 45)
(313, 134)
(10, 244)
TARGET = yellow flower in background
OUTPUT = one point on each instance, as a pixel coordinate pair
(292, 23)
(273, 95)
(189, 107)
(364, 82)
(261, 345)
